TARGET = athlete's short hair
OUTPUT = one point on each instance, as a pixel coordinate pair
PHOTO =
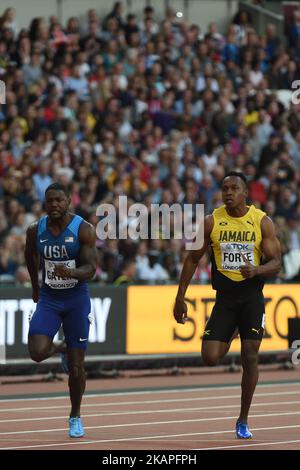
(238, 174)
(58, 187)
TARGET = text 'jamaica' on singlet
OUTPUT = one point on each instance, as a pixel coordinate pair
(233, 238)
(61, 249)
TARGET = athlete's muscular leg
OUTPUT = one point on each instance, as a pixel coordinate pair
(213, 351)
(77, 378)
(249, 355)
(41, 347)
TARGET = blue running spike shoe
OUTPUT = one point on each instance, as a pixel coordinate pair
(242, 431)
(64, 362)
(76, 429)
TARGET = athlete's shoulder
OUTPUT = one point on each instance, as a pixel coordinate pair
(257, 215)
(258, 212)
(31, 235)
(208, 225)
(267, 225)
(87, 231)
(75, 223)
(219, 212)
(87, 225)
(32, 228)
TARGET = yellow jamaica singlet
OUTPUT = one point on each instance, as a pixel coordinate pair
(231, 239)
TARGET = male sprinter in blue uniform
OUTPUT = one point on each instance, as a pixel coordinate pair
(66, 244)
(239, 236)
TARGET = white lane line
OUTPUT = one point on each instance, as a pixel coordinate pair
(242, 445)
(142, 412)
(151, 392)
(144, 438)
(144, 402)
(153, 423)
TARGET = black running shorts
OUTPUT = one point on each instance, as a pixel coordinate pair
(248, 315)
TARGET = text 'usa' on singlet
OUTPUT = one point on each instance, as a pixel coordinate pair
(61, 249)
(233, 238)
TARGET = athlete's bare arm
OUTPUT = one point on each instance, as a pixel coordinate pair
(271, 249)
(88, 256)
(189, 267)
(32, 259)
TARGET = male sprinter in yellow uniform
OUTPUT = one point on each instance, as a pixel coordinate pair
(239, 236)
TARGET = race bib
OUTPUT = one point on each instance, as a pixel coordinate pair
(232, 258)
(57, 282)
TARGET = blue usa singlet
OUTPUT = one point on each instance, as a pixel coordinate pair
(61, 249)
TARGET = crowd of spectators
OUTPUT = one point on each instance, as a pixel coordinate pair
(153, 108)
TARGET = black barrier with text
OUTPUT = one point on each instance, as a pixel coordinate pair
(138, 320)
(107, 331)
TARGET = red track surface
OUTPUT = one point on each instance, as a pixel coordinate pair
(177, 419)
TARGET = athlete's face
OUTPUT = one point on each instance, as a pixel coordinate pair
(234, 192)
(57, 204)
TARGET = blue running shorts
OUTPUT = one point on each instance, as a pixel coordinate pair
(72, 312)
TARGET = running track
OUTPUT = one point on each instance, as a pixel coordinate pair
(186, 412)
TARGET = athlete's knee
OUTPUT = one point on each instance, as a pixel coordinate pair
(37, 354)
(249, 359)
(76, 368)
(210, 359)
(210, 354)
(39, 347)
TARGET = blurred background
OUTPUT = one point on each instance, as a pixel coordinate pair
(155, 100)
